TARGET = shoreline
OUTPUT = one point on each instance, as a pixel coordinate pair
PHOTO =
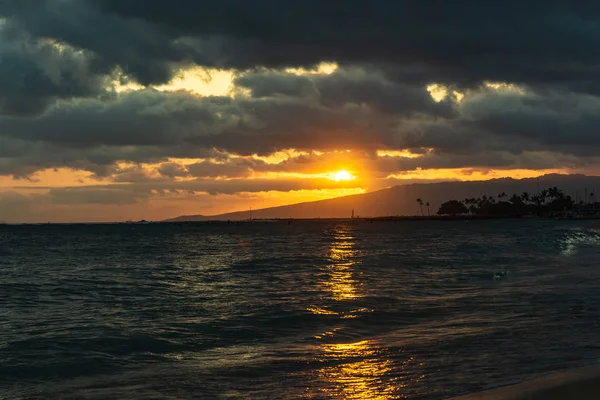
(573, 384)
(402, 218)
(384, 219)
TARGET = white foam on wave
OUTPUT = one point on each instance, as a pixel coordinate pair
(576, 239)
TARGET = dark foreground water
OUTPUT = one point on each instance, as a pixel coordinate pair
(308, 310)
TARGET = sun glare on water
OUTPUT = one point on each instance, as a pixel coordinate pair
(342, 176)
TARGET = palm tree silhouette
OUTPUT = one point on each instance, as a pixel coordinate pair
(555, 193)
(428, 212)
(543, 196)
(420, 202)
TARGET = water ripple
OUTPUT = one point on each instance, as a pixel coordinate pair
(309, 310)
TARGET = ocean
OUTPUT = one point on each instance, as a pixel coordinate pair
(307, 310)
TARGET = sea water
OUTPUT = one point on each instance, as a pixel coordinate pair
(332, 309)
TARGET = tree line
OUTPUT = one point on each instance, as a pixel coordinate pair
(548, 201)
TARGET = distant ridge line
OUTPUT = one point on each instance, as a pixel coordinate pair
(400, 200)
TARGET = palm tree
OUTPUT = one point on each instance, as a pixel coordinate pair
(428, 212)
(555, 193)
(543, 196)
(525, 197)
(420, 202)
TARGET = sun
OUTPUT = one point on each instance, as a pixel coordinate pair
(342, 176)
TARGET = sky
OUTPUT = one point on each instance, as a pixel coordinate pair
(115, 110)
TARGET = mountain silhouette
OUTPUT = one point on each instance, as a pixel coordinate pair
(401, 199)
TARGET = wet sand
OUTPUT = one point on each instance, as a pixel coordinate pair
(575, 384)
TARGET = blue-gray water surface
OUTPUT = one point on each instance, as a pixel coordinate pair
(354, 310)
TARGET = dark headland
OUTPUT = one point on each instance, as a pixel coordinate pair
(547, 196)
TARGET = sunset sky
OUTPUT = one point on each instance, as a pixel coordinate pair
(124, 109)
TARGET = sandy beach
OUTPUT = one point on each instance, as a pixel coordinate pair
(575, 384)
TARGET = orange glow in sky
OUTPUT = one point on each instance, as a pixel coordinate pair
(289, 177)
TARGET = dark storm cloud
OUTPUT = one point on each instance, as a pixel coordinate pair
(59, 57)
(152, 126)
(515, 121)
(34, 73)
(22, 158)
(138, 118)
(139, 48)
(462, 42)
(348, 87)
(237, 167)
(489, 160)
(554, 119)
(170, 120)
(465, 42)
(273, 83)
(381, 94)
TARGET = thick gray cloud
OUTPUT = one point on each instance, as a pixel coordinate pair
(456, 42)
(173, 170)
(238, 167)
(152, 126)
(138, 191)
(58, 106)
(272, 83)
(138, 118)
(348, 87)
(150, 119)
(550, 118)
(34, 73)
(463, 43)
(134, 45)
(488, 160)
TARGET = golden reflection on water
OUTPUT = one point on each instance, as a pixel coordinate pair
(341, 282)
(339, 278)
(360, 370)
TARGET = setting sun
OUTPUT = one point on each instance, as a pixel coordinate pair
(342, 176)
